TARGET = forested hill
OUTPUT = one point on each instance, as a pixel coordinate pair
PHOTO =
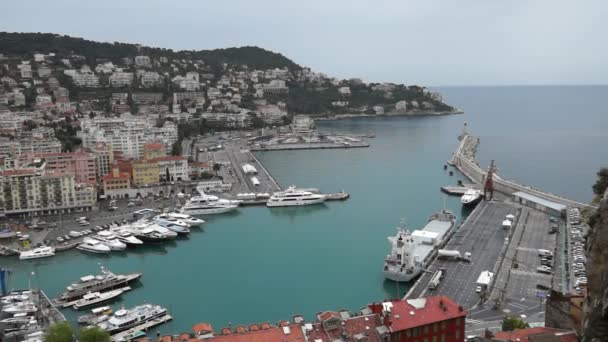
(30, 43)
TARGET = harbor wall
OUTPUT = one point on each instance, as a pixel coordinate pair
(464, 160)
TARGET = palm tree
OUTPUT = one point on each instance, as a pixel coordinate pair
(217, 167)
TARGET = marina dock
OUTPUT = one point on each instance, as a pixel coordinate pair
(310, 146)
(123, 336)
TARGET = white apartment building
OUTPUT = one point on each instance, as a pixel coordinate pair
(302, 124)
(26, 70)
(85, 79)
(143, 61)
(150, 79)
(121, 79)
(175, 166)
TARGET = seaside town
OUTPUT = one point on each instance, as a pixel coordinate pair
(103, 155)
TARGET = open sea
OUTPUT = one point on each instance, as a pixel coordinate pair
(262, 264)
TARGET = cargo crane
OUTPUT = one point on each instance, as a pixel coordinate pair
(488, 186)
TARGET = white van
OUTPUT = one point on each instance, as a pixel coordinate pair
(544, 252)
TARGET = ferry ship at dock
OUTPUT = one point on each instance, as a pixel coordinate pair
(411, 252)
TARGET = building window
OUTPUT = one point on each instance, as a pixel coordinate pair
(435, 338)
(425, 329)
(408, 333)
(442, 337)
(457, 322)
(457, 335)
(416, 332)
(442, 325)
(435, 327)
(426, 339)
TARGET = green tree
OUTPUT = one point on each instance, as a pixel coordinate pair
(93, 334)
(205, 175)
(59, 332)
(602, 182)
(217, 167)
(510, 323)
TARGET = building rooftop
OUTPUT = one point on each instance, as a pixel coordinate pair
(406, 314)
(531, 198)
(364, 325)
(169, 158)
(154, 146)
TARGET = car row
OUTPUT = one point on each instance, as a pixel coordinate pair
(578, 268)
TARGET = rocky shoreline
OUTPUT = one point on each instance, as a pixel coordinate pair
(350, 116)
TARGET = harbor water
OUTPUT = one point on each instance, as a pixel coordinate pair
(260, 264)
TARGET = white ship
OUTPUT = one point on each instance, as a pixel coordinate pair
(470, 197)
(192, 221)
(294, 197)
(151, 232)
(96, 283)
(172, 224)
(110, 240)
(40, 252)
(126, 319)
(93, 298)
(123, 235)
(208, 204)
(411, 251)
(93, 246)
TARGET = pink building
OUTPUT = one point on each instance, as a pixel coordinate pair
(81, 164)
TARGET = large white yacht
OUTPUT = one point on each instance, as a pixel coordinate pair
(208, 204)
(411, 252)
(191, 220)
(471, 196)
(109, 239)
(93, 246)
(123, 235)
(294, 197)
(40, 252)
(93, 298)
(126, 319)
(172, 224)
(151, 232)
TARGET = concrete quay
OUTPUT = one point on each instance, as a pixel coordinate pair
(465, 161)
(310, 146)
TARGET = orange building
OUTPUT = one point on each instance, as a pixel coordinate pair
(154, 150)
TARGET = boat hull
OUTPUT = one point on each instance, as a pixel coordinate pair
(208, 211)
(94, 251)
(401, 276)
(79, 306)
(124, 281)
(295, 203)
(37, 256)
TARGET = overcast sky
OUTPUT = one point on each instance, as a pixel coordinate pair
(427, 42)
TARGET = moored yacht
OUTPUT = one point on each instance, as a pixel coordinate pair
(207, 204)
(151, 232)
(294, 197)
(173, 224)
(471, 196)
(123, 235)
(192, 221)
(110, 240)
(97, 283)
(126, 319)
(93, 298)
(39, 252)
(93, 246)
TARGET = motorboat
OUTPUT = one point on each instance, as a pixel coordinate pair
(97, 283)
(97, 315)
(192, 221)
(109, 239)
(294, 197)
(93, 246)
(151, 232)
(173, 224)
(39, 252)
(6, 233)
(123, 235)
(25, 307)
(208, 204)
(470, 197)
(93, 298)
(126, 319)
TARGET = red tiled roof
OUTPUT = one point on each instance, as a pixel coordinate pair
(240, 329)
(351, 327)
(436, 309)
(184, 337)
(17, 172)
(254, 327)
(168, 158)
(202, 327)
(327, 315)
(525, 335)
(121, 175)
(154, 146)
(166, 338)
(272, 334)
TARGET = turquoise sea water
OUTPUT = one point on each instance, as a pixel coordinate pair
(264, 264)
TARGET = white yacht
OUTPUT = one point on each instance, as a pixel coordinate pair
(411, 252)
(123, 235)
(25, 307)
(207, 204)
(39, 252)
(151, 232)
(471, 196)
(173, 224)
(105, 281)
(93, 298)
(191, 220)
(126, 319)
(110, 240)
(294, 197)
(93, 246)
